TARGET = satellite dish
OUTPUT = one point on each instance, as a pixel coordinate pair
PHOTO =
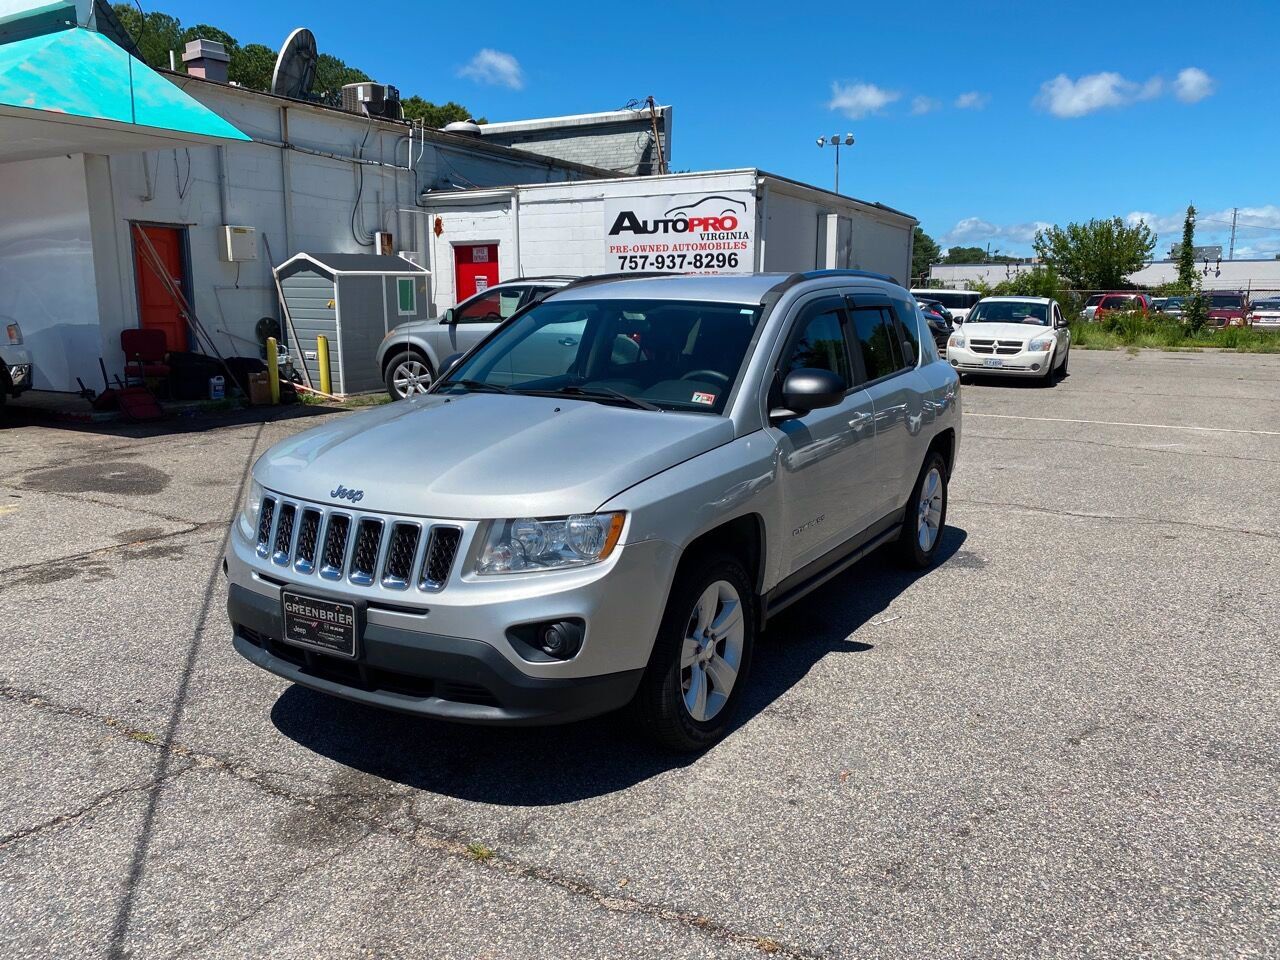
(295, 66)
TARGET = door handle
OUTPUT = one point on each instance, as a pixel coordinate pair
(568, 341)
(859, 419)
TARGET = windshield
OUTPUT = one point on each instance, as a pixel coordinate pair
(1094, 300)
(669, 354)
(1009, 311)
(1267, 305)
(1226, 301)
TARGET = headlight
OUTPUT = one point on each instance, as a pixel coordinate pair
(525, 544)
(249, 511)
(956, 341)
(1041, 345)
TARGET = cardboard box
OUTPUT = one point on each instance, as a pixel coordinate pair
(259, 389)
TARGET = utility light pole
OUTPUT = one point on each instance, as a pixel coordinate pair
(835, 140)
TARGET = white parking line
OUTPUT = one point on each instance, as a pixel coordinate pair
(1123, 423)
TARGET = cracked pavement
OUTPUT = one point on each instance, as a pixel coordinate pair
(1063, 741)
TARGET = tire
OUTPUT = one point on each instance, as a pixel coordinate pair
(916, 550)
(682, 662)
(408, 374)
(1062, 370)
(1047, 380)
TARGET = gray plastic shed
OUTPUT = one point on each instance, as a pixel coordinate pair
(353, 299)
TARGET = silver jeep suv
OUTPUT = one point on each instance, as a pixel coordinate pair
(602, 503)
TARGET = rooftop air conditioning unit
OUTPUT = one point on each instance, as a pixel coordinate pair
(373, 100)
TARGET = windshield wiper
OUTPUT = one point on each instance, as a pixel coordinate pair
(479, 386)
(605, 393)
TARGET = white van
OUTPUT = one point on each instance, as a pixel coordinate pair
(959, 302)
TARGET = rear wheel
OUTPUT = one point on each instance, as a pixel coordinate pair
(407, 375)
(926, 515)
(701, 656)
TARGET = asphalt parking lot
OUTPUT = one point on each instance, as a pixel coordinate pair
(1064, 740)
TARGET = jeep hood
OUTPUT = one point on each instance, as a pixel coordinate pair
(481, 456)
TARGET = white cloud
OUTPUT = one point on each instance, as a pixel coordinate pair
(494, 68)
(973, 100)
(977, 232)
(1192, 85)
(1064, 97)
(857, 100)
(1257, 228)
(922, 105)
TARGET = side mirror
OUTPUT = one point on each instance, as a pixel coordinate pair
(809, 389)
(449, 363)
(448, 316)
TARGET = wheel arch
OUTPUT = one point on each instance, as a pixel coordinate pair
(945, 445)
(743, 538)
(413, 345)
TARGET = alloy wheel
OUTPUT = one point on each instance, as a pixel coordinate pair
(711, 655)
(929, 510)
(410, 377)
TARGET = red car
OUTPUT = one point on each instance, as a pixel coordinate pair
(1122, 301)
(1228, 309)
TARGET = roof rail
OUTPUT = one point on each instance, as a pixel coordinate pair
(786, 284)
(608, 277)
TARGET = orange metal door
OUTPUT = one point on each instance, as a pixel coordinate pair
(475, 269)
(156, 309)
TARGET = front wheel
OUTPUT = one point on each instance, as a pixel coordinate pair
(926, 515)
(701, 656)
(407, 375)
(1062, 370)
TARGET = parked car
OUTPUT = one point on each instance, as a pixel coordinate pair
(1173, 306)
(1013, 336)
(15, 363)
(410, 354)
(959, 302)
(1227, 309)
(1265, 313)
(601, 503)
(1115, 302)
(936, 317)
(935, 307)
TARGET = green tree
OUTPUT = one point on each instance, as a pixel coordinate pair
(332, 75)
(155, 34)
(1098, 255)
(965, 255)
(1187, 275)
(924, 251)
(205, 31)
(435, 115)
(252, 66)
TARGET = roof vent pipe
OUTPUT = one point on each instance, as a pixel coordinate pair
(465, 128)
(207, 59)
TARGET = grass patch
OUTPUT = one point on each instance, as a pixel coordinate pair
(479, 852)
(1134, 330)
(142, 736)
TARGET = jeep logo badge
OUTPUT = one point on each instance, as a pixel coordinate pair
(342, 493)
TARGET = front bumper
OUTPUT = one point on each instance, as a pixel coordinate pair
(450, 678)
(1024, 364)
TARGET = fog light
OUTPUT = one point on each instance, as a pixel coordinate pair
(561, 639)
(1035, 366)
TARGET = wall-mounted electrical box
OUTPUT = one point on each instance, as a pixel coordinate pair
(238, 244)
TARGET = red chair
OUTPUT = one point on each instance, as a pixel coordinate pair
(144, 354)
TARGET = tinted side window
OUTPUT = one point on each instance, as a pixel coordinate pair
(910, 332)
(819, 343)
(876, 332)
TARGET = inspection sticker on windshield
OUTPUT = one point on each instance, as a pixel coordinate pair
(707, 398)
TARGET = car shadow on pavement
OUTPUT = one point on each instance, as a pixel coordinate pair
(532, 767)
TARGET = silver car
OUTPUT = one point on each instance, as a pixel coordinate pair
(602, 503)
(411, 353)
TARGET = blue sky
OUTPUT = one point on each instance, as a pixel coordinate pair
(981, 119)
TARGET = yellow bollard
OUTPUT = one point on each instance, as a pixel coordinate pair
(273, 369)
(322, 358)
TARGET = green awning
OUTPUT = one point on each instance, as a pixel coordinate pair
(74, 91)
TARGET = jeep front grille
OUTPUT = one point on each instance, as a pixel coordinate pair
(365, 550)
(442, 547)
(335, 546)
(364, 558)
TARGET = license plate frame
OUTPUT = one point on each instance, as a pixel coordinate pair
(329, 625)
(992, 362)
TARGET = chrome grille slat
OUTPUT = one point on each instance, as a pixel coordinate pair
(283, 540)
(364, 554)
(402, 549)
(437, 559)
(266, 518)
(308, 540)
(334, 555)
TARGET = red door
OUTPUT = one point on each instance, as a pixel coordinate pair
(475, 268)
(156, 309)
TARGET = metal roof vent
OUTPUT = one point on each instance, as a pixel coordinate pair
(465, 128)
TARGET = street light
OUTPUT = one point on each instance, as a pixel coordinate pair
(835, 140)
